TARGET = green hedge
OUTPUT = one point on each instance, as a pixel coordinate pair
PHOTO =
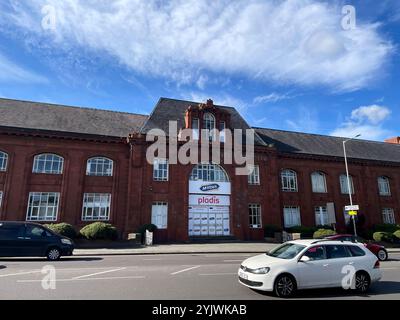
(270, 230)
(383, 236)
(385, 227)
(397, 234)
(99, 231)
(322, 233)
(63, 229)
(306, 232)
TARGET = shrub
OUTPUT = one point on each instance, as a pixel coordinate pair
(270, 230)
(63, 229)
(385, 227)
(99, 231)
(322, 233)
(306, 232)
(383, 236)
(149, 226)
(397, 234)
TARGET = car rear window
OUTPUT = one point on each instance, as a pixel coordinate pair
(11, 231)
(356, 251)
(337, 251)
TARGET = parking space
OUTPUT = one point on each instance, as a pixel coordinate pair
(195, 276)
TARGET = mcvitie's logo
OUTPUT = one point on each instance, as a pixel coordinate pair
(209, 187)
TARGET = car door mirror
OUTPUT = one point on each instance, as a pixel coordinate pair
(304, 259)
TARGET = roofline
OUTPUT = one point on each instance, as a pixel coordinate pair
(76, 107)
(324, 135)
(197, 102)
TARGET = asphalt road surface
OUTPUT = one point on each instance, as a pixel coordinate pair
(158, 277)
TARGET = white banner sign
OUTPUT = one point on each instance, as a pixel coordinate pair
(205, 187)
(207, 200)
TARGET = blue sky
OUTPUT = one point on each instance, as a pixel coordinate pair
(287, 65)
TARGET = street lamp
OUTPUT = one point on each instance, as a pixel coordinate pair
(348, 180)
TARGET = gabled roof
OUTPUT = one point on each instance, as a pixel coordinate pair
(313, 144)
(174, 110)
(44, 116)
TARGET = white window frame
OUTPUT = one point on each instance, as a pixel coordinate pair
(289, 180)
(1, 198)
(209, 123)
(222, 127)
(321, 216)
(384, 186)
(291, 216)
(160, 169)
(42, 161)
(209, 172)
(318, 182)
(255, 219)
(344, 185)
(43, 205)
(159, 214)
(99, 201)
(388, 216)
(196, 128)
(253, 177)
(104, 167)
(3, 161)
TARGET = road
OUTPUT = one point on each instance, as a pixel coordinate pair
(158, 277)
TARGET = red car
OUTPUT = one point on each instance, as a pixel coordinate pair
(376, 249)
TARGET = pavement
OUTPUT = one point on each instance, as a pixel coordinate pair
(227, 247)
(195, 276)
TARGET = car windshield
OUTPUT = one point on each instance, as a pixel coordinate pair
(286, 251)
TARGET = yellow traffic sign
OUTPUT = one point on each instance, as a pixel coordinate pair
(353, 213)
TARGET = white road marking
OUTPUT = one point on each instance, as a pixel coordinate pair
(19, 273)
(233, 260)
(84, 279)
(218, 274)
(97, 273)
(184, 270)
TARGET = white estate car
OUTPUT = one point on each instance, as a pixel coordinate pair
(307, 264)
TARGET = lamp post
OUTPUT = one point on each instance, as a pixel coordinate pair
(348, 179)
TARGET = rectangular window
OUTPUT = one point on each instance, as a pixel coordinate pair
(384, 186)
(160, 170)
(255, 216)
(291, 216)
(1, 198)
(43, 206)
(318, 181)
(344, 185)
(388, 216)
(159, 215)
(96, 207)
(195, 128)
(254, 176)
(321, 216)
(347, 217)
(222, 127)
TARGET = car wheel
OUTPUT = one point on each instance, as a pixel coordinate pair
(53, 254)
(362, 282)
(285, 286)
(382, 255)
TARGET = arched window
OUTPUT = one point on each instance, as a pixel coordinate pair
(384, 186)
(48, 163)
(209, 172)
(344, 188)
(289, 180)
(209, 124)
(318, 181)
(3, 161)
(99, 166)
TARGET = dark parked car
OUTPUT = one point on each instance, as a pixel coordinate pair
(25, 239)
(376, 249)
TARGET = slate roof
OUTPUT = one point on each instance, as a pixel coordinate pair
(174, 110)
(44, 116)
(313, 144)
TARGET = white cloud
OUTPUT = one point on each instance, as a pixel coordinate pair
(305, 121)
(272, 97)
(11, 72)
(367, 121)
(374, 114)
(296, 41)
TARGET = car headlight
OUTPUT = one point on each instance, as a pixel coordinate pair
(66, 241)
(264, 270)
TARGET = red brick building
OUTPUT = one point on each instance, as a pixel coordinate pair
(79, 165)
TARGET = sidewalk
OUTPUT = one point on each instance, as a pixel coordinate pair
(242, 247)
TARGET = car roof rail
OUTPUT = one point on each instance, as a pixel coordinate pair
(321, 240)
